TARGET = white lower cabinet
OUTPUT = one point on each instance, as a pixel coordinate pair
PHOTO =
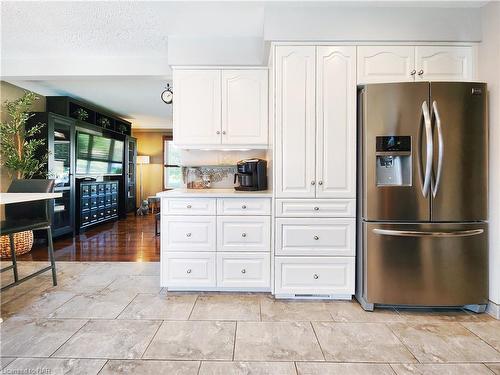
(309, 208)
(318, 276)
(188, 270)
(249, 270)
(331, 237)
(189, 233)
(229, 250)
(243, 233)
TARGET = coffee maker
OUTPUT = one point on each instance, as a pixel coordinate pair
(251, 175)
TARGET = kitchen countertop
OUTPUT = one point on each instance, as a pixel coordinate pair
(8, 198)
(213, 193)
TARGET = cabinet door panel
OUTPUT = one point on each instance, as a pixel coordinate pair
(188, 233)
(444, 63)
(336, 122)
(382, 64)
(235, 270)
(295, 121)
(314, 275)
(244, 107)
(243, 233)
(197, 107)
(332, 237)
(188, 270)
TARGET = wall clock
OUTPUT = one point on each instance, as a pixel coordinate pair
(167, 95)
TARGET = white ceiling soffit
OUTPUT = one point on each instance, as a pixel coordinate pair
(373, 23)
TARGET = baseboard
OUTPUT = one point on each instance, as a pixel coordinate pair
(494, 310)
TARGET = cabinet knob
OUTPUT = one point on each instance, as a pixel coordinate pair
(316, 208)
(316, 276)
(313, 182)
(188, 234)
(188, 206)
(320, 183)
(188, 270)
(223, 132)
(243, 234)
(413, 72)
(243, 271)
(217, 132)
(316, 238)
(244, 207)
(420, 72)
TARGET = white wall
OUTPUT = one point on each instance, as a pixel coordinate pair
(489, 71)
(351, 22)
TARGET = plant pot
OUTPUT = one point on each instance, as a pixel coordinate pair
(23, 242)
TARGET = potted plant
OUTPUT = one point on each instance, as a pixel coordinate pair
(20, 154)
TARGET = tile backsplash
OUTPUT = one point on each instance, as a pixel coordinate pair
(218, 157)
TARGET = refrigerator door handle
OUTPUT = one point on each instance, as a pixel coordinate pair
(435, 111)
(414, 233)
(425, 180)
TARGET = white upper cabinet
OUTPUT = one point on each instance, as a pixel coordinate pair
(244, 107)
(220, 107)
(336, 122)
(444, 63)
(197, 107)
(295, 121)
(386, 64)
(382, 64)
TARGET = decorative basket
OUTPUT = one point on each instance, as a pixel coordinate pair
(23, 242)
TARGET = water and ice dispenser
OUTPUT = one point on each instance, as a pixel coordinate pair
(393, 155)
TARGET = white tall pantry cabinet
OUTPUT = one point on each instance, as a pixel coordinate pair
(315, 164)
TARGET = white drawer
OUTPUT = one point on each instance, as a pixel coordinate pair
(188, 206)
(314, 275)
(243, 233)
(243, 206)
(188, 233)
(316, 237)
(315, 207)
(249, 270)
(188, 270)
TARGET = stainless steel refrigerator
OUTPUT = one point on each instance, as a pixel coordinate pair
(422, 195)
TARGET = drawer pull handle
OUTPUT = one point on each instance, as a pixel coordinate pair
(243, 234)
(316, 208)
(188, 270)
(243, 271)
(316, 238)
(316, 276)
(188, 206)
(188, 234)
(244, 207)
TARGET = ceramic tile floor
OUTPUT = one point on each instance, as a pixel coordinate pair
(113, 318)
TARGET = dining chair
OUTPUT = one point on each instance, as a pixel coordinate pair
(33, 215)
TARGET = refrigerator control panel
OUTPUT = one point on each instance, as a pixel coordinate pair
(393, 143)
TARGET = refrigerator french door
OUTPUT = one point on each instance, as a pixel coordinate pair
(422, 160)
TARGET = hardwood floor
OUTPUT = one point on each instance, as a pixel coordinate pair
(130, 240)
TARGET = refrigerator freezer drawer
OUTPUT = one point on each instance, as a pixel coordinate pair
(426, 264)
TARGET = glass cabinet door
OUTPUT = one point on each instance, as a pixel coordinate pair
(61, 164)
(61, 168)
